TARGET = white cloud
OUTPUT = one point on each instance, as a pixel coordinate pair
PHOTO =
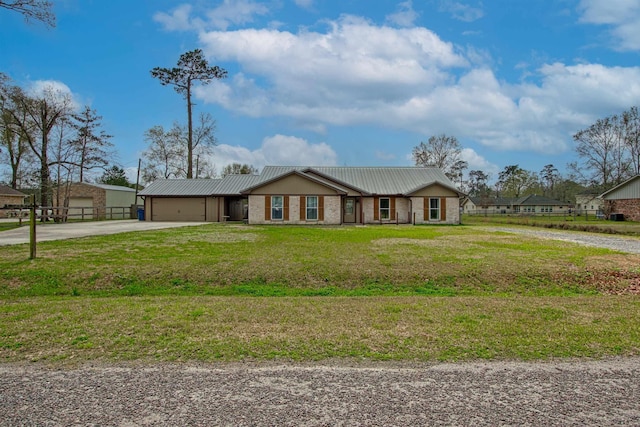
(178, 20)
(405, 16)
(277, 150)
(56, 90)
(623, 16)
(230, 12)
(359, 73)
(460, 11)
(235, 12)
(477, 162)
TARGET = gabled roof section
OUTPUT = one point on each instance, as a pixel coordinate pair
(372, 180)
(629, 194)
(5, 190)
(181, 187)
(293, 171)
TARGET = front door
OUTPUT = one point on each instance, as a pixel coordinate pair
(349, 210)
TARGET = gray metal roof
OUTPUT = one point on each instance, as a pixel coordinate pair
(372, 180)
(234, 184)
(181, 187)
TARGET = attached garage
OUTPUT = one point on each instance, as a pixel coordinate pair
(178, 209)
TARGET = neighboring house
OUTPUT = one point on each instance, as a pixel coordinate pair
(589, 202)
(624, 199)
(97, 201)
(212, 200)
(310, 195)
(531, 204)
(9, 198)
(486, 205)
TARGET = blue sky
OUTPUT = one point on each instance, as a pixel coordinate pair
(348, 82)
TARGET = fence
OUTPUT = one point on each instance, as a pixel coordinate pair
(587, 215)
(76, 213)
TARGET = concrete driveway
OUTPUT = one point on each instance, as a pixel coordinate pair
(71, 230)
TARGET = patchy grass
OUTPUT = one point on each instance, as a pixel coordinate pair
(151, 329)
(232, 292)
(298, 261)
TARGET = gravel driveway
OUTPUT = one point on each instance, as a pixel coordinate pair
(616, 243)
(567, 393)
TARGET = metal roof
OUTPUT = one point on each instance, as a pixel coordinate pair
(234, 184)
(372, 180)
(181, 187)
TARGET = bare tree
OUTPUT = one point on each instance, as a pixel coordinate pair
(39, 10)
(192, 67)
(42, 113)
(631, 126)
(167, 156)
(441, 151)
(602, 152)
(162, 157)
(14, 148)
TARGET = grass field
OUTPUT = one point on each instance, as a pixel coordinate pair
(231, 292)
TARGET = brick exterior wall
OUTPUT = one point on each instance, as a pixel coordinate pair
(332, 211)
(80, 190)
(630, 208)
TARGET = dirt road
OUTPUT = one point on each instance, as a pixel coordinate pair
(567, 393)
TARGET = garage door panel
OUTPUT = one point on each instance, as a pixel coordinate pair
(178, 209)
(80, 208)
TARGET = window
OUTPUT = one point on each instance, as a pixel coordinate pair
(312, 208)
(277, 207)
(434, 209)
(385, 208)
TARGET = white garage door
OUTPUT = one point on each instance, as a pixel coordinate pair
(178, 209)
(80, 208)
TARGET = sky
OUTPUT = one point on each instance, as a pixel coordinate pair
(344, 82)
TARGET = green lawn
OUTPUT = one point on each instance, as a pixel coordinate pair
(230, 292)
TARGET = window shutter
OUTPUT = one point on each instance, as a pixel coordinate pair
(376, 208)
(443, 209)
(267, 208)
(320, 208)
(392, 205)
(286, 208)
(425, 209)
(303, 208)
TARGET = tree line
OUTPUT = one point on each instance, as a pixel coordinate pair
(608, 154)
